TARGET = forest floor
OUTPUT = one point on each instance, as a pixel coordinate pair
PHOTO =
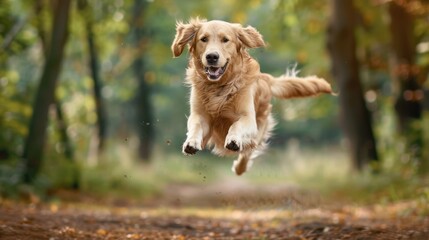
(233, 211)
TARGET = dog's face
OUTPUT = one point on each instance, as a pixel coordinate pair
(215, 44)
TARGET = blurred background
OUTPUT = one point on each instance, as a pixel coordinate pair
(93, 102)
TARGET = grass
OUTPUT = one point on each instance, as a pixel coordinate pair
(328, 172)
(116, 174)
(325, 171)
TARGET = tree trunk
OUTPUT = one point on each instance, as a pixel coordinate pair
(355, 117)
(61, 121)
(67, 145)
(95, 74)
(10, 36)
(143, 102)
(35, 142)
(40, 25)
(408, 104)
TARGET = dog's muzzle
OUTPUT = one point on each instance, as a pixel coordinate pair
(212, 68)
(214, 73)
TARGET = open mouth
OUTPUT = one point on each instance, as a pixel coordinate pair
(214, 73)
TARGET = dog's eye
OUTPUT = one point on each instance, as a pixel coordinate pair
(204, 39)
(225, 40)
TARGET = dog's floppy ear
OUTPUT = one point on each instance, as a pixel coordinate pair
(185, 33)
(250, 37)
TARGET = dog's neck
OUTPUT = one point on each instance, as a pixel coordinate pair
(218, 94)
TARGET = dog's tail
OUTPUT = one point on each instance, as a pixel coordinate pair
(291, 86)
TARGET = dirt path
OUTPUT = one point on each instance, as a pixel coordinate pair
(71, 221)
(237, 210)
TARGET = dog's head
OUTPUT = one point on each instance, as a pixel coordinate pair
(215, 44)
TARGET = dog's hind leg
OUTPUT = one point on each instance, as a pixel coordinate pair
(243, 163)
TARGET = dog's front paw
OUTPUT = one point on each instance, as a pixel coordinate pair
(189, 150)
(190, 147)
(233, 146)
(238, 144)
(233, 143)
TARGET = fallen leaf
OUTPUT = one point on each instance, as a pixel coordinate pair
(101, 232)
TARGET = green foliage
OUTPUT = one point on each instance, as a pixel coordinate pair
(12, 19)
(9, 179)
(14, 113)
(15, 108)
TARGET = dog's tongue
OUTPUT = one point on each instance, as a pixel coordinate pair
(214, 72)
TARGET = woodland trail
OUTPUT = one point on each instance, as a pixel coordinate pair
(214, 214)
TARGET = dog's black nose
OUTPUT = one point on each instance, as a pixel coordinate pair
(212, 58)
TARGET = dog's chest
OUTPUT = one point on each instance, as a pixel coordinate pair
(219, 99)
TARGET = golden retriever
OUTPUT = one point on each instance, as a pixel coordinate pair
(230, 97)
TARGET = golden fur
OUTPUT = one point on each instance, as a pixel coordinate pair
(230, 97)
